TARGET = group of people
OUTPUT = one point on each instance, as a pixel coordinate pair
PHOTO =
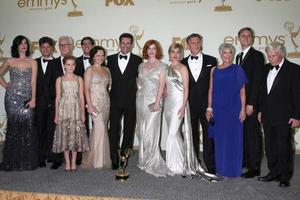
(230, 101)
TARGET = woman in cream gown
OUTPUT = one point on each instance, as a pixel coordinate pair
(97, 80)
(180, 155)
(148, 105)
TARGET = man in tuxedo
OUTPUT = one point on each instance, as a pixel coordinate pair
(252, 62)
(66, 47)
(199, 66)
(280, 113)
(43, 112)
(123, 67)
(82, 62)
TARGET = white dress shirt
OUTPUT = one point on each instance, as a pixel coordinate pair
(86, 62)
(272, 75)
(45, 64)
(62, 64)
(196, 65)
(123, 62)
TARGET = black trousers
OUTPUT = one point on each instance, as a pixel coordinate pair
(44, 117)
(279, 150)
(252, 143)
(116, 114)
(208, 143)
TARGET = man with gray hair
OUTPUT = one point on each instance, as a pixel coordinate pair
(66, 47)
(279, 113)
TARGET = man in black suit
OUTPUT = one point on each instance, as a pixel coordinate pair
(199, 66)
(66, 47)
(82, 62)
(123, 67)
(280, 113)
(252, 62)
(43, 112)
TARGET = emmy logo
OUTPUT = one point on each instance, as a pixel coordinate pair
(74, 13)
(135, 31)
(223, 7)
(289, 26)
(1, 51)
(122, 174)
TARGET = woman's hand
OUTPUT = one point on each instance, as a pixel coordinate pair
(56, 119)
(181, 112)
(154, 107)
(242, 116)
(31, 104)
(209, 115)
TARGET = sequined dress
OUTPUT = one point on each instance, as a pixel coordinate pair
(20, 150)
(99, 155)
(70, 132)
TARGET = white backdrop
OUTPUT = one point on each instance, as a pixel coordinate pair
(164, 20)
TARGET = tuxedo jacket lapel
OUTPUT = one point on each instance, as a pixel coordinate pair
(278, 77)
(246, 56)
(204, 67)
(188, 67)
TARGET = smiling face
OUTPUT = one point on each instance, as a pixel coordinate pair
(46, 50)
(125, 45)
(65, 47)
(69, 65)
(227, 56)
(86, 47)
(246, 39)
(99, 57)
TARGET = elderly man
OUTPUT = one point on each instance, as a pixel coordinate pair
(280, 113)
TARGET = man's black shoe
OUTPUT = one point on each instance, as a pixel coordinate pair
(56, 165)
(284, 184)
(267, 178)
(251, 173)
(42, 164)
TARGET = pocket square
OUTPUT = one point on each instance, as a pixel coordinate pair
(208, 65)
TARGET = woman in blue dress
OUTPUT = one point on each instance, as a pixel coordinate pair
(226, 113)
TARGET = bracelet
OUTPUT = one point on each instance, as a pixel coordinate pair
(209, 109)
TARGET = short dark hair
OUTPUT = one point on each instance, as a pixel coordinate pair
(93, 51)
(126, 35)
(46, 39)
(158, 49)
(194, 35)
(246, 29)
(89, 39)
(66, 58)
(16, 42)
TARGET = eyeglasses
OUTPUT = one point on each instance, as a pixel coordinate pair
(64, 45)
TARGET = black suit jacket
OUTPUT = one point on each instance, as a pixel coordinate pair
(79, 69)
(283, 101)
(198, 89)
(43, 85)
(123, 89)
(253, 64)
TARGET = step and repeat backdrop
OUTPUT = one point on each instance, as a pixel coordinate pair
(167, 21)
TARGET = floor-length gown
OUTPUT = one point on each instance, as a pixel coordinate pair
(227, 131)
(149, 123)
(180, 155)
(20, 150)
(99, 155)
(70, 132)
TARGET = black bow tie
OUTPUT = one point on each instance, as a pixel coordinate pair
(194, 57)
(276, 67)
(85, 58)
(45, 60)
(121, 56)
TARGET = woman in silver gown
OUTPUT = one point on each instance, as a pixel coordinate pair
(180, 155)
(20, 151)
(148, 104)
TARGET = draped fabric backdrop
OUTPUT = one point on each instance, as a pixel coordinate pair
(167, 21)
